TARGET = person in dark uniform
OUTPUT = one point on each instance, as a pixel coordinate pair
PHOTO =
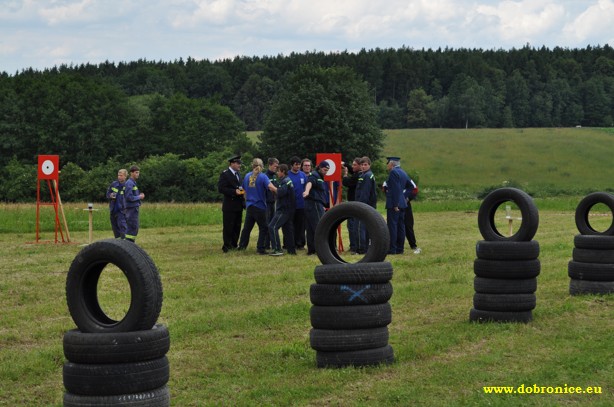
(271, 172)
(284, 213)
(350, 180)
(133, 202)
(117, 204)
(314, 203)
(410, 193)
(229, 185)
(396, 204)
(366, 192)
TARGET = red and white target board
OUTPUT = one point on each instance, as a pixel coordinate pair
(335, 171)
(48, 167)
(48, 171)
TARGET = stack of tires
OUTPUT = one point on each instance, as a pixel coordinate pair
(591, 270)
(109, 362)
(506, 268)
(350, 310)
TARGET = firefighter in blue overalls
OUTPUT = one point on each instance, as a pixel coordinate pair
(133, 202)
(285, 205)
(314, 203)
(117, 204)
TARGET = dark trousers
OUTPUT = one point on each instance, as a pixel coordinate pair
(351, 224)
(282, 220)
(299, 228)
(396, 228)
(362, 236)
(409, 226)
(118, 224)
(253, 216)
(132, 223)
(270, 212)
(314, 211)
(231, 229)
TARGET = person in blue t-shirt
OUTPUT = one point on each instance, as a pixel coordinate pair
(299, 180)
(255, 185)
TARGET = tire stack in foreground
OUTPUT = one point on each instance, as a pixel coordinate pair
(591, 270)
(350, 312)
(506, 268)
(109, 362)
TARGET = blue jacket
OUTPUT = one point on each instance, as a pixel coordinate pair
(270, 198)
(132, 194)
(366, 189)
(317, 191)
(395, 184)
(118, 203)
(286, 200)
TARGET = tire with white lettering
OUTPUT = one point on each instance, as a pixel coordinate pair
(350, 294)
(476, 315)
(341, 340)
(597, 242)
(159, 397)
(82, 287)
(593, 255)
(326, 232)
(504, 286)
(353, 273)
(355, 317)
(581, 287)
(488, 209)
(116, 347)
(504, 302)
(507, 250)
(107, 379)
(583, 210)
(365, 357)
(590, 271)
(507, 269)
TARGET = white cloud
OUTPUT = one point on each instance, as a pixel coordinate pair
(593, 24)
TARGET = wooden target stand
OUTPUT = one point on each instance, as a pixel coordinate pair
(48, 172)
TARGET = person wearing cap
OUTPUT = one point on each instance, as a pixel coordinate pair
(366, 192)
(314, 203)
(396, 204)
(229, 185)
(133, 203)
(117, 204)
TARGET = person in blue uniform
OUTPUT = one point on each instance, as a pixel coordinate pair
(366, 192)
(314, 203)
(299, 180)
(117, 204)
(410, 193)
(350, 180)
(133, 203)
(229, 185)
(284, 212)
(256, 184)
(271, 172)
(396, 204)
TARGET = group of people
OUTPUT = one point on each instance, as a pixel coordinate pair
(124, 202)
(294, 197)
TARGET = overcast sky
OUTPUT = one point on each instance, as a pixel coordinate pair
(45, 33)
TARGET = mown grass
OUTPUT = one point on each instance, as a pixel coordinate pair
(239, 322)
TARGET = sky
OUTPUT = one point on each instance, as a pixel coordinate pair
(41, 34)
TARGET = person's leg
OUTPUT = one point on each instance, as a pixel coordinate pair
(235, 228)
(288, 230)
(263, 229)
(392, 221)
(299, 228)
(132, 223)
(274, 226)
(351, 225)
(247, 228)
(409, 227)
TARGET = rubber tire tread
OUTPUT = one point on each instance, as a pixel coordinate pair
(358, 358)
(141, 273)
(584, 207)
(476, 315)
(116, 347)
(489, 206)
(590, 271)
(603, 256)
(353, 273)
(350, 294)
(112, 379)
(504, 302)
(341, 340)
(504, 286)
(583, 287)
(596, 242)
(507, 250)
(507, 269)
(356, 317)
(160, 397)
(326, 232)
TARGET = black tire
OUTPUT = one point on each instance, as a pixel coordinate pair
(116, 347)
(160, 397)
(504, 286)
(584, 207)
(590, 271)
(596, 242)
(350, 294)
(356, 317)
(504, 302)
(82, 286)
(366, 357)
(476, 315)
(507, 269)
(353, 273)
(489, 206)
(581, 287)
(112, 379)
(507, 250)
(342, 340)
(326, 232)
(593, 255)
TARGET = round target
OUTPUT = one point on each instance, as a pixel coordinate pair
(332, 168)
(47, 167)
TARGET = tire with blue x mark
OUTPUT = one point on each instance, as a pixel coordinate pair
(350, 294)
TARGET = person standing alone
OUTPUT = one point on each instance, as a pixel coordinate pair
(229, 185)
(117, 204)
(133, 203)
(396, 204)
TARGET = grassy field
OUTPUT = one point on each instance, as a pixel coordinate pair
(240, 325)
